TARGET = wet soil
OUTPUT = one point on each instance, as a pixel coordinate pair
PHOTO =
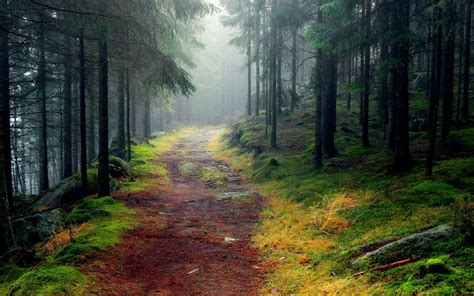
(188, 241)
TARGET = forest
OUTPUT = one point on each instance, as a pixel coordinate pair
(236, 147)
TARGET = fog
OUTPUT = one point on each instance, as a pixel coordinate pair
(219, 75)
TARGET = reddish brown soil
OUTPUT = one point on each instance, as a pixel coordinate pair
(183, 230)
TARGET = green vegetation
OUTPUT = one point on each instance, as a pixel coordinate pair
(106, 220)
(96, 225)
(318, 220)
(48, 281)
(147, 168)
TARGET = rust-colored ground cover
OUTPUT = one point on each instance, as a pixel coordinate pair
(180, 247)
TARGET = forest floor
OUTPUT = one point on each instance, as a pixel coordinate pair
(188, 241)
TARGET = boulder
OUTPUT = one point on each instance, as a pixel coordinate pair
(118, 167)
(65, 191)
(39, 227)
(415, 245)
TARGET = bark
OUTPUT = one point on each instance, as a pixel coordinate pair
(434, 98)
(146, 119)
(6, 234)
(349, 82)
(273, 68)
(249, 70)
(467, 62)
(82, 108)
(279, 68)
(129, 136)
(91, 150)
(365, 107)
(294, 49)
(121, 115)
(401, 52)
(67, 108)
(447, 81)
(43, 131)
(257, 60)
(329, 89)
(318, 152)
(103, 174)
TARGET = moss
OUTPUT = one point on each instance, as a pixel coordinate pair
(109, 219)
(387, 205)
(186, 169)
(212, 175)
(48, 281)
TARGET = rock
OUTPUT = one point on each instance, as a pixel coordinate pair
(39, 227)
(118, 167)
(274, 162)
(418, 244)
(65, 191)
(236, 195)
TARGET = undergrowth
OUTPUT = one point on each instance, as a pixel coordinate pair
(316, 221)
(106, 220)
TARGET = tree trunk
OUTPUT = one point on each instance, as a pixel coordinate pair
(349, 82)
(129, 135)
(257, 59)
(467, 62)
(103, 178)
(401, 52)
(91, 152)
(447, 81)
(365, 107)
(294, 50)
(67, 105)
(249, 71)
(329, 91)
(279, 68)
(7, 240)
(434, 97)
(318, 151)
(43, 131)
(146, 119)
(273, 69)
(82, 108)
(121, 115)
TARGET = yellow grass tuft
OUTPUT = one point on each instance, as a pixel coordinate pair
(327, 220)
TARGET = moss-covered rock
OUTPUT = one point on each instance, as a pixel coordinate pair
(118, 167)
(418, 244)
(39, 227)
(67, 190)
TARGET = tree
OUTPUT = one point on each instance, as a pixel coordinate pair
(67, 108)
(273, 70)
(400, 25)
(6, 233)
(467, 61)
(434, 93)
(365, 110)
(103, 175)
(43, 131)
(447, 81)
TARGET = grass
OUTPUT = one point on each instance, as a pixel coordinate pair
(147, 168)
(316, 220)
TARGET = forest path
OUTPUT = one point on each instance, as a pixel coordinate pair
(184, 245)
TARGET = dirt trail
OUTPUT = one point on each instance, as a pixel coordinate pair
(180, 247)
